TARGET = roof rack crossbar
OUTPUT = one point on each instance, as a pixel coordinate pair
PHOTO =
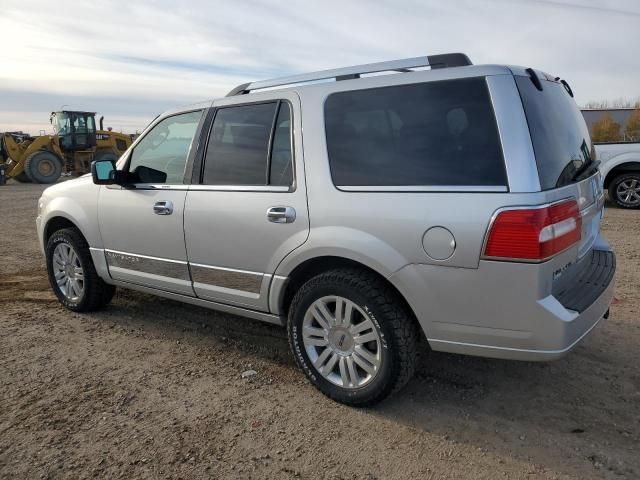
(347, 73)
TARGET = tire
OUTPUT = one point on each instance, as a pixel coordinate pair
(22, 178)
(95, 293)
(624, 190)
(383, 320)
(43, 167)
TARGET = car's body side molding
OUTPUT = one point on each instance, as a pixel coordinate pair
(244, 312)
(618, 161)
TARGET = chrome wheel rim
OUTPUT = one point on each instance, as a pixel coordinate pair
(628, 192)
(342, 342)
(68, 272)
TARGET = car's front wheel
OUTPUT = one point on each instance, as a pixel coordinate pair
(352, 336)
(72, 275)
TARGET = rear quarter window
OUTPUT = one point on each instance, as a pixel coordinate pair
(429, 134)
(559, 134)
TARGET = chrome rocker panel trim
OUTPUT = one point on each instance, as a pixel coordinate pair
(221, 307)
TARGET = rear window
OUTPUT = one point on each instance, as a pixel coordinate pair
(429, 134)
(558, 131)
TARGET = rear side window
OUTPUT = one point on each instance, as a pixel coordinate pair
(280, 170)
(250, 145)
(430, 134)
(559, 133)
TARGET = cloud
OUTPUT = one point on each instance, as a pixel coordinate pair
(598, 6)
(131, 60)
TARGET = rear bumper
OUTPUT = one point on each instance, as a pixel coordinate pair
(505, 310)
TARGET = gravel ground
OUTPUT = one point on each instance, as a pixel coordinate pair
(150, 388)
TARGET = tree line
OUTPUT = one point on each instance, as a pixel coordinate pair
(606, 129)
(616, 103)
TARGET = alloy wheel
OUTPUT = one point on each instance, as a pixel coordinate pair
(628, 192)
(342, 342)
(68, 272)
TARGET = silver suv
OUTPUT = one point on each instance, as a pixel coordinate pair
(361, 208)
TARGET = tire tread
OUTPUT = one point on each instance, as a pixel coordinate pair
(29, 161)
(98, 293)
(398, 319)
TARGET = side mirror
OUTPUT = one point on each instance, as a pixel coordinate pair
(150, 175)
(103, 172)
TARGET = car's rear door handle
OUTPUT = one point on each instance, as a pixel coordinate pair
(281, 214)
(163, 208)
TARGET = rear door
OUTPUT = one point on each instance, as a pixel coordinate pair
(249, 209)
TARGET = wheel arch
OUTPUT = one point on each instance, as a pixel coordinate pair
(621, 167)
(56, 223)
(281, 296)
(45, 143)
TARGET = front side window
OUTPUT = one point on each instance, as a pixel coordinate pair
(429, 134)
(250, 145)
(61, 123)
(62, 127)
(161, 155)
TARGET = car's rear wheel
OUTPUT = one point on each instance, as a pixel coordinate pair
(352, 336)
(72, 275)
(624, 190)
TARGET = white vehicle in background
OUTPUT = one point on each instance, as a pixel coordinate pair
(620, 169)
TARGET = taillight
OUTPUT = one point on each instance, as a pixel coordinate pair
(534, 233)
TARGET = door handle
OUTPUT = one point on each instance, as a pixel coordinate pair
(281, 214)
(163, 208)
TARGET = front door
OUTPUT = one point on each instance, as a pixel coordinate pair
(142, 224)
(250, 209)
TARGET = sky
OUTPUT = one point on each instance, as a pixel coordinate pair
(131, 60)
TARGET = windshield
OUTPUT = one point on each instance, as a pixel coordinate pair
(559, 133)
(61, 124)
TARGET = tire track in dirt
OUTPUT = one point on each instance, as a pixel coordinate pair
(29, 286)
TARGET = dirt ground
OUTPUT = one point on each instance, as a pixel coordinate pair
(150, 388)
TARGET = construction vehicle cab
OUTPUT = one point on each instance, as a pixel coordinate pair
(76, 130)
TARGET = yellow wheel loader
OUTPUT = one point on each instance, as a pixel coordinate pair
(74, 146)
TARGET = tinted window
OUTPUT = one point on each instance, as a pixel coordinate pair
(558, 131)
(164, 149)
(437, 133)
(238, 151)
(281, 171)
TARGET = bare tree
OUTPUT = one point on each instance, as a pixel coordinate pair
(615, 103)
(605, 129)
(632, 130)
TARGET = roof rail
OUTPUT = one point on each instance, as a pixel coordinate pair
(347, 73)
